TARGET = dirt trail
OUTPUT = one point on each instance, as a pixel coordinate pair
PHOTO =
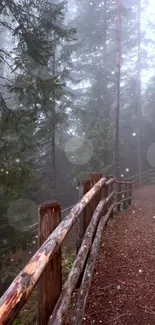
(123, 288)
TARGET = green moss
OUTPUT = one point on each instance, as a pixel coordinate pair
(68, 258)
(17, 322)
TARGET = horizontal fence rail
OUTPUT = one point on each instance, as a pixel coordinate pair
(144, 178)
(35, 225)
(99, 197)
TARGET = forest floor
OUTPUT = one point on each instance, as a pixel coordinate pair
(123, 288)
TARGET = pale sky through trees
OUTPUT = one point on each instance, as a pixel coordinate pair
(151, 7)
(149, 16)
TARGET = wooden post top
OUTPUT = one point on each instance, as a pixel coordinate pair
(49, 204)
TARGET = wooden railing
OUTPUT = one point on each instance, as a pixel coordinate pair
(146, 177)
(99, 198)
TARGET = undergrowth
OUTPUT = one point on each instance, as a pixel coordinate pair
(28, 314)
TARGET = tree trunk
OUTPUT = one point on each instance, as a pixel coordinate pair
(107, 104)
(53, 166)
(139, 110)
(53, 151)
(2, 42)
(118, 76)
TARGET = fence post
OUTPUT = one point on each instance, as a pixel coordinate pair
(112, 200)
(125, 197)
(95, 178)
(118, 196)
(50, 284)
(84, 218)
(129, 201)
(108, 190)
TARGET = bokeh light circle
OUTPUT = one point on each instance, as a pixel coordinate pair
(60, 137)
(22, 213)
(79, 150)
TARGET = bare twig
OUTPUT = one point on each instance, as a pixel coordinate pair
(117, 317)
(146, 308)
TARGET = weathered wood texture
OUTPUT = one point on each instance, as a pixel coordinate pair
(125, 196)
(129, 199)
(96, 199)
(49, 219)
(122, 200)
(85, 216)
(65, 297)
(122, 182)
(96, 177)
(122, 192)
(21, 288)
(87, 278)
(108, 188)
(119, 196)
(112, 199)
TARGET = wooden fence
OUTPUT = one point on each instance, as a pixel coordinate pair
(147, 177)
(99, 198)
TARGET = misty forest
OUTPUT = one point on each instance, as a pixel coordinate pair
(77, 96)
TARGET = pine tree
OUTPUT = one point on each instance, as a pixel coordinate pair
(118, 77)
(95, 66)
(139, 108)
(34, 98)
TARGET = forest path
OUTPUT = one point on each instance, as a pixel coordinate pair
(123, 288)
